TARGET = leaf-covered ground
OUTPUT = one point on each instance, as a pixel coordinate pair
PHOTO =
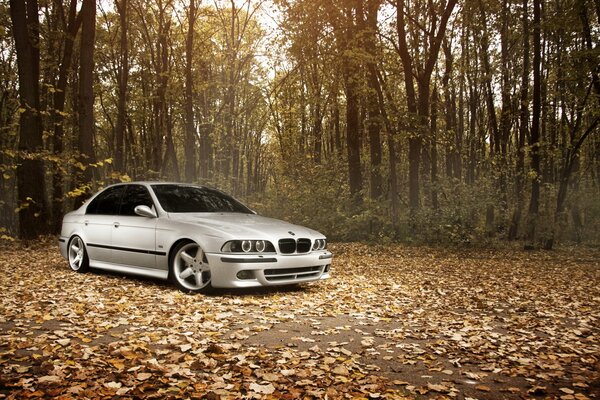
(393, 322)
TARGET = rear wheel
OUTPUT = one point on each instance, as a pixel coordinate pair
(78, 258)
(189, 268)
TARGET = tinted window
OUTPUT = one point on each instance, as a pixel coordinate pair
(107, 202)
(135, 195)
(179, 198)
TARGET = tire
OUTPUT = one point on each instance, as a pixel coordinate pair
(189, 269)
(77, 255)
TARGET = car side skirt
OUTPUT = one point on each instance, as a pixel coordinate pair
(140, 271)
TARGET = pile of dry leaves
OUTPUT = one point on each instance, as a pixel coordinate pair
(393, 322)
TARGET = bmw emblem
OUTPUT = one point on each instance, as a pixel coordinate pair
(291, 233)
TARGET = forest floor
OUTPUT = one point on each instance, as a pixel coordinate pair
(392, 322)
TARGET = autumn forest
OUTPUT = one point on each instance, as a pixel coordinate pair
(441, 146)
(453, 121)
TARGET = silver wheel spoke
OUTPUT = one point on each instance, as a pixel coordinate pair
(74, 247)
(198, 277)
(77, 259)
(186, 257)
(186, 273)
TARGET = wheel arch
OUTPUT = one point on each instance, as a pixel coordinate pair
(78, 234)
(173, 247)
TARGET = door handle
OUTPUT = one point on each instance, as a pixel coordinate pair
(116, 224)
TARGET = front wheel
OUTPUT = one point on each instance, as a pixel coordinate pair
(189, 268)
(78, 258)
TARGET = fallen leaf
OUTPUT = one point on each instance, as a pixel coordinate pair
(113, 385)
(142, 376)
(262, 389)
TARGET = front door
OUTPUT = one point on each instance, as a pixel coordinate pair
(134, 236)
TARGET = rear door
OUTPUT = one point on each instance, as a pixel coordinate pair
(98, 223)
(134, 236)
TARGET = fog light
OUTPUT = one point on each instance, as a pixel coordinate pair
(245, 274)
(260, 246)
(246, 246)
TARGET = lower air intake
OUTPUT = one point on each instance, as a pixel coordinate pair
(291, 274)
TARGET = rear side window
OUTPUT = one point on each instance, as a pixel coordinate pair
(107, 202)
(135, 195)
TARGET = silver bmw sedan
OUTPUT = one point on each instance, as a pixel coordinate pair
(195, 236)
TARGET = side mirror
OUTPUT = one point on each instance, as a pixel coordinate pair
(144, 211)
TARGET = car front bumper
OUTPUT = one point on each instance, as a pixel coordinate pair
(242, 270)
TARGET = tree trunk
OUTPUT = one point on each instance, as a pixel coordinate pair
(505, 117)
(123, 77)
(391, 150)
(523, 130)
(190, 132)
(454, 137)
(433, 150)
(30, 172)
(352, 137)
(86, 91)
(352, 113)
(489, 93)
(73, 25)
(373, 109)
(336, 127)
(414, 140)
(534, 138)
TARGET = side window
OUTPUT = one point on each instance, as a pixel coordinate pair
(135, 195)
(107, 202)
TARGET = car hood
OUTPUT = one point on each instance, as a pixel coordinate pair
(245, 226)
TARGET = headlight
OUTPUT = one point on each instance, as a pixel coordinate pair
(319, 244)
(248, 246)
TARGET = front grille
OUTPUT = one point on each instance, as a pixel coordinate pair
(287, 246)
(303, 246)
(289, 274)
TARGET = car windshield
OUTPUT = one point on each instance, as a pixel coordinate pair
(190, 199)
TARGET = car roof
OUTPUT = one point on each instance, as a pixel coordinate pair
(148, 183)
